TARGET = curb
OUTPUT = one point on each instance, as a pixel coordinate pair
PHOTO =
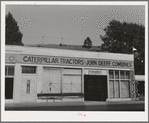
(70, 104)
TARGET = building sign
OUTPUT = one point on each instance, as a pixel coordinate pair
(10, 58)
(94, 72)
(73, 61)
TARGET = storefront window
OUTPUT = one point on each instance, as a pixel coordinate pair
(72, 81)
(9, 70)
(125, 89)
(111, 85)
(117, 89)
(111, 74)
(58, 80)
(6, 71)
(122, 74)
(28, 69)
(52, 78)
(116, 74)
(119, 84)
(127, 75)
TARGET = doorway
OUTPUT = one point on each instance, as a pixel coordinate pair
(141, 88)
(95, 88)
(8, 88)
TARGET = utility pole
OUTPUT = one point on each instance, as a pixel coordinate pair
(62, 40)
(134, 82)
(42, 40)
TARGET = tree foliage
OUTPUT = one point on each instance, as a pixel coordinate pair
(12, 34)
(122, 37)
(87, 43)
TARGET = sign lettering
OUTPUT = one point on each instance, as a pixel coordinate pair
(75, 61)
(84, 62)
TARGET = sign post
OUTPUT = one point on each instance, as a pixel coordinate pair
(134, 82)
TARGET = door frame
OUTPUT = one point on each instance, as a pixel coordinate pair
(107, 90)
(12, 87)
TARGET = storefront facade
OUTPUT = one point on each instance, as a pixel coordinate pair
(35, 74)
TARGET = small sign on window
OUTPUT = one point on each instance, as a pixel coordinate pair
(94, 72)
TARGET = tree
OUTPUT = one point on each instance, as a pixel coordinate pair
(12, 34)
(87, 43)
(122, 37)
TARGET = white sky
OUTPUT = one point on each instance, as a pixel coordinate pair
(74, 23)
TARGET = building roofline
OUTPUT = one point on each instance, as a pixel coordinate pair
(67, 50)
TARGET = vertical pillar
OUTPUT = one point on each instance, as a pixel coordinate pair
(131, 85)
(119, 82)
(39, 78)
(61, 86)
(133, 77)
(82, 83)
(114, 84)
(133, 82)
(108, 87)
(17, 83)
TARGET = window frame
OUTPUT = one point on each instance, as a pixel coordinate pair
(48, 69)
(72, 74)
(30, 67)
(9, 76)
(120, 80)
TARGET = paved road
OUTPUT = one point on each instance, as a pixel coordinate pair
(112, 107)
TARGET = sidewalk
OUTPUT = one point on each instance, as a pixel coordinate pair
(85, 103)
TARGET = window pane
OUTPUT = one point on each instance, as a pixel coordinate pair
(116, 74)
(127, 75)
(117, 89)
(28, 69)
(122, 74)
(111, 74)
(67, 88)
(5, 70)
(125, 93)
(71, 84)
(76, 84)
(10, 70)
(111, 84)
(51, 81)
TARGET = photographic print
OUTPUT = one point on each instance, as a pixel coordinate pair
(74, 60)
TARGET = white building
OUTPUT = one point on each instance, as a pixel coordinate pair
(35, 74)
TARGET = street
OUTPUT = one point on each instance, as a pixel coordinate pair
(108, 107)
